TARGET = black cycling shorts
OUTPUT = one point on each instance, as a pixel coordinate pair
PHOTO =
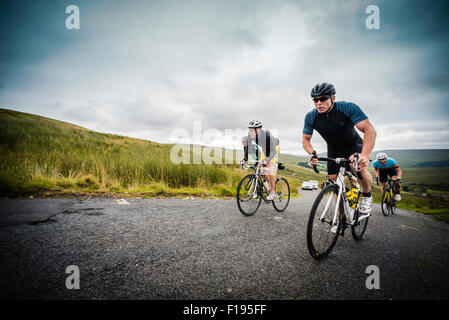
(384, 173)
(332, 167)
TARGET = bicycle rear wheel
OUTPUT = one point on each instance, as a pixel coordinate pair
(248, 195)
(282, 198)
(322, 234)
(392, 205)
(385, 202)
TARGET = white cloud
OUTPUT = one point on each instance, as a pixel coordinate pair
(148, 69)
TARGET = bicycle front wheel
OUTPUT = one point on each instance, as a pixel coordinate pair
(282, 197)
(322, 233)
(385, 202)
(248, 195)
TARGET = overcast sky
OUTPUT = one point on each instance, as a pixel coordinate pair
(148, 68)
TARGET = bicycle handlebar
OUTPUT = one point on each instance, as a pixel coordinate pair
(338, 161)
(254, 165)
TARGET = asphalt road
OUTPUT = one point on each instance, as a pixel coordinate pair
(206, 249)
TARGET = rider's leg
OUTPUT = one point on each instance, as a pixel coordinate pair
(270, 176)
(272, 182)
(384, 186)
(271, 179)
(397, 185)
(396, 188)
(366, 183)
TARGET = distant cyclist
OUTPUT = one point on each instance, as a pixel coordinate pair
(384, 167)
(335, 121)
(262, 146)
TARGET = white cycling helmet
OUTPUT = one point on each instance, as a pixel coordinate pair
(255, 124)
(381, 156)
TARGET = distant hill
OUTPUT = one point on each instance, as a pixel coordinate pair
(433, 164)
(291, 158)
(418, 158)
(413, 158)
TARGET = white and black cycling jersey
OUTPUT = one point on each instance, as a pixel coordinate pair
(263, 147)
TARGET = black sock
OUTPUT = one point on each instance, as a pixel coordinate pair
(366, 194)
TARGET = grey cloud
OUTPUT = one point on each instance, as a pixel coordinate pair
(146, 67)
(141, 113)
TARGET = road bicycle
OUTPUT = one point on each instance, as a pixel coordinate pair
(335, 209)
(388, 203)
(253, 188)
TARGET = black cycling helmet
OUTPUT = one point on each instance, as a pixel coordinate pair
(322, 89)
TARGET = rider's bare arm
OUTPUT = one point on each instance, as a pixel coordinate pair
(399, 172)
(307, 145)
(369, 140)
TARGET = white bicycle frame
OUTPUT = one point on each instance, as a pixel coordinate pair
(350, 211)
(257, 173)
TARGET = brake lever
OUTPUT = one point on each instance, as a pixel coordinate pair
(314, 157)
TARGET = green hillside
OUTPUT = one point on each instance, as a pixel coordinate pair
(433, 164)
(45, 156)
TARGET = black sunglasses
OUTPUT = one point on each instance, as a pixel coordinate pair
(322, 99)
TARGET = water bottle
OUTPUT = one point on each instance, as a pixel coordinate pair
(266, 185)
(355, 194)
(352, 196)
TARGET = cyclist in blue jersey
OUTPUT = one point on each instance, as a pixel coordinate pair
(384, 167)
(335, 122)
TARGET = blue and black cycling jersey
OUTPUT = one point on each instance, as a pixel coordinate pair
(336, 126)
(337, 129)
(387, 169)
(389, 164)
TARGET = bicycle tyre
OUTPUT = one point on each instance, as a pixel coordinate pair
(277, 205)
(385, 202)
(359, 229)
(323, 253)
(392, 205)
(242, 183)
